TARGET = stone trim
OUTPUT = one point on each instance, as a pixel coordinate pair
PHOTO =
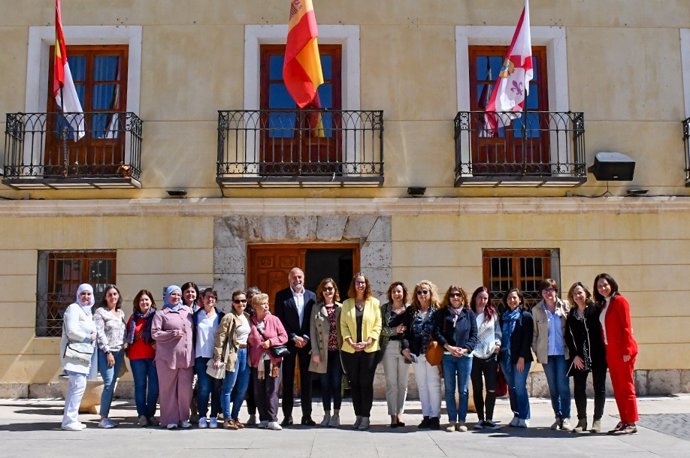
(394, 206)
(231, 235)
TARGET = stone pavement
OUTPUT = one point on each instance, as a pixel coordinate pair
(30, 428)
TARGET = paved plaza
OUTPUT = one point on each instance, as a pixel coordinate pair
(30, 428)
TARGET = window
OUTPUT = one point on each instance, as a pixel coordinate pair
(523, 269)
(59, 275)
(525, 140)
(300, 141)
(100, 77)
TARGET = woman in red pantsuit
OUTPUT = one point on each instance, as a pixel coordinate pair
(621, 350)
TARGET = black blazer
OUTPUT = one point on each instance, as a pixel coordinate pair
(286, 311)
(521, 338)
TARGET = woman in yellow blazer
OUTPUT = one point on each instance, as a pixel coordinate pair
(360, 325)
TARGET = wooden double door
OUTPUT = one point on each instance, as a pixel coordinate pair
(268, 265)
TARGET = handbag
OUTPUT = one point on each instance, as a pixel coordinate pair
(79, 351)
(434, 353)
(279, 351)
(217, 373)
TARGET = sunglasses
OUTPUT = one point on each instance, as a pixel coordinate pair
(360, 283)
(422, 292)
(239, 301)
(455, 295)
(328, 288)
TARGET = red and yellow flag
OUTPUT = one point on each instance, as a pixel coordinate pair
(64, 91)
(302, 72)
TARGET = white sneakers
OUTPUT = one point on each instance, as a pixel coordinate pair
(73, 427)
(274, 425)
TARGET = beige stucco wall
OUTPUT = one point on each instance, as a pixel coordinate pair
(624, 73)
(647, 254)
(152, 252)
(623, 66)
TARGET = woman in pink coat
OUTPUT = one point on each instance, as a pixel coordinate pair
(621, 350)
(172, 330)
(266, 332)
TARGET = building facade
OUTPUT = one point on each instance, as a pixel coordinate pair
(196, 166)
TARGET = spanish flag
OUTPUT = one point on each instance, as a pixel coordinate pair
(64, 91)
(302, 67)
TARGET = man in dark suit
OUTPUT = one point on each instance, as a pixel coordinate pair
(293, 306)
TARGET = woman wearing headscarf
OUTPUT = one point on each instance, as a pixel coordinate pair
(141, 350)
(110, 340)
(78, 328)
(172, 331)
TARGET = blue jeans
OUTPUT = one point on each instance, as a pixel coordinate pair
(208, 388)
(517, 387)
(331, 382)
(461, 368)
(108, 374)
(556, 371)
(145, 386)
(240, 378)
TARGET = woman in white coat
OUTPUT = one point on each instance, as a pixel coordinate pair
(79, 333)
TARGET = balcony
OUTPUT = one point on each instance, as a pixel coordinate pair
(41, 153)
(541, 148)
(305, 148)
(686, 140)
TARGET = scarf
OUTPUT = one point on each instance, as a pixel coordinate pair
(510, 318)
(166, 298)
(86, 287)
(136, 316)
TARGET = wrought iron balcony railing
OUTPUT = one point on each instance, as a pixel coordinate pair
(686, 140)
(300, 148)
(541, 148)
(41, 151)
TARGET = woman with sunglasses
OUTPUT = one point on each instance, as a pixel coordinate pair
(583, 336)
(230, 348)
(325, 348)
(457, 334)
(422, 329)
(360, 325)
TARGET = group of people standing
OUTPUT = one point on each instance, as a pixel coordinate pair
(247, 352)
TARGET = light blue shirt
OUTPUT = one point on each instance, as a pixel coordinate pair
(555, 333)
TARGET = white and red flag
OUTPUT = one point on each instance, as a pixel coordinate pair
(512, 87)
(64, 91)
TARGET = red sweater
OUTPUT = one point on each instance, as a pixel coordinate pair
(140, 349)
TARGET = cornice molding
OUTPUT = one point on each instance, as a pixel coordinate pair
(352, 206)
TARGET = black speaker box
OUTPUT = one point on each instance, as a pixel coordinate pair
(611, 166)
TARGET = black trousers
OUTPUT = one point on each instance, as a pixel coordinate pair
(580, 394)
(301, 355)
(484, 370)
(361, 368)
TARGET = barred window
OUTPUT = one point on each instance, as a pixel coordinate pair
(519, 268)
(59, 275)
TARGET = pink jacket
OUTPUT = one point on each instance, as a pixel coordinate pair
(173, 351)
(273, 331)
